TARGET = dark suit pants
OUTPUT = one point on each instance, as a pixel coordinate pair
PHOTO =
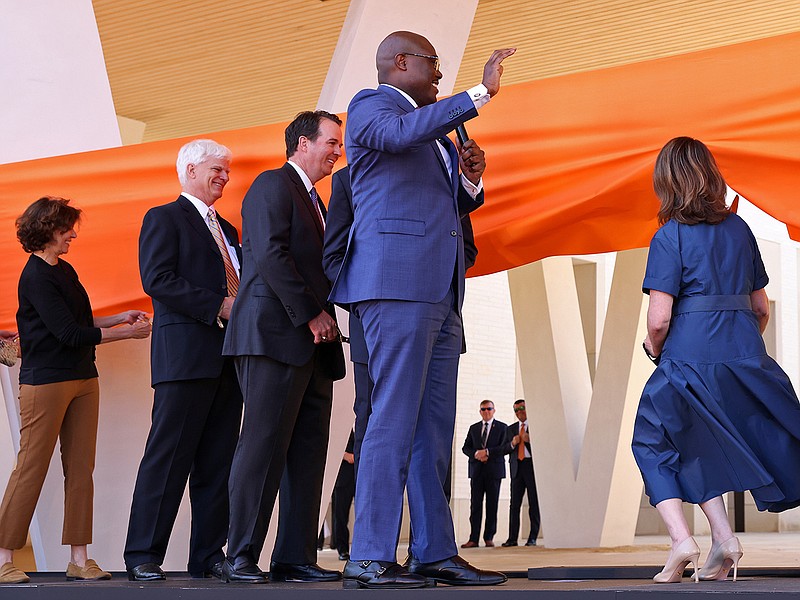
(343, 492)
(283, 445)
(362, 406)
(195, 424)
(525, 481)
(480, 486)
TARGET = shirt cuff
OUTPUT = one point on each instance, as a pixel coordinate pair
(479, 95)
(472, 189)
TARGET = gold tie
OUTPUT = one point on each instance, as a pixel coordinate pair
(521, 445)
(231, 278)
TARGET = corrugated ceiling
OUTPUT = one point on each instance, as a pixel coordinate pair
(185, 68)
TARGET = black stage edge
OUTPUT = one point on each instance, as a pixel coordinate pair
(52, 586)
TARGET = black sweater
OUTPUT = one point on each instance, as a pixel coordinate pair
(56, 328)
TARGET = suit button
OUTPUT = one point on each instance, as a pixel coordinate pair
(454, 233)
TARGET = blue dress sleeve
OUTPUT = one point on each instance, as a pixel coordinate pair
(663, 272)
(760, 277)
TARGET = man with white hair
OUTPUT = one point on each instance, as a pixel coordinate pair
(189, 261)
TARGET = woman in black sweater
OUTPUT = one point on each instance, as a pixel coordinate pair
(59, 394)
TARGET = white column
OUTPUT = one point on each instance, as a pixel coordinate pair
(582, 432)
(56, 96)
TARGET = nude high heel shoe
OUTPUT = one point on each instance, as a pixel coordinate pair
(686, 552)
(721, 559)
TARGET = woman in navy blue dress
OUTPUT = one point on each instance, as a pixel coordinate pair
(718, 414)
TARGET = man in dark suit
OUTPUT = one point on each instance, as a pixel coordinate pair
(485, 446)
(284, 336)
(342, 499)
(337, 231)
(523, 479)
(189, 261)
(403, 275)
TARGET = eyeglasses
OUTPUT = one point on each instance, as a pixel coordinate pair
(519, 408)
(486, 408)
(435, 59)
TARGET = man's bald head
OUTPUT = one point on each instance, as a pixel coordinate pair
(417, 76)
(398, 43)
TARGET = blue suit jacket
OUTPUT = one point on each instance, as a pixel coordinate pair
(337, 231)
(183, 272)
(406, 241)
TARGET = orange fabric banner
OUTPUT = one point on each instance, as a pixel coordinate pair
(569, 165)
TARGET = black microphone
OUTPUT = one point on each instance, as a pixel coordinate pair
(461, 134)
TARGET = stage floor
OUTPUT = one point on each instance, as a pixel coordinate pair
(587, 575)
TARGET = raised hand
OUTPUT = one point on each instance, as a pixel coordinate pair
(493, 69)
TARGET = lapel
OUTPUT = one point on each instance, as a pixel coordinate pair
(451, 151)
(407, 107)
(299, 190)
(197, 223)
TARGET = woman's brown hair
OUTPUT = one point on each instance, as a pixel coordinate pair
(688, 183)
(37, 226)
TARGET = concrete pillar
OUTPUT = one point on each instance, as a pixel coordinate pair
(56, 96)
(589, 487)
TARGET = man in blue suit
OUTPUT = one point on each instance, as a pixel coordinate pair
(189, 259)
(403, 276)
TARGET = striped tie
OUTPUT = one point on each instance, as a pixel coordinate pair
(315, 202)
(231, 278)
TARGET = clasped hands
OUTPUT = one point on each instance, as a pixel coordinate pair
(482, 455)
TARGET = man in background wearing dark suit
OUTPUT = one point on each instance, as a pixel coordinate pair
(189, 261)
(522, 477)
(342, 499)
(486, 448)
(284, 337)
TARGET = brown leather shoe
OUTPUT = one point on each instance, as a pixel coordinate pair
(89, 572)
(469, 544)
(489, 543)
(11, 574)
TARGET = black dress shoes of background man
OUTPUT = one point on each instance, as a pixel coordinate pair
(344, 555)
(530, 543)
(509, 543)
(214, 571)
(379, 574)
(146, 572)
(300, 573)
(456, 571)
(242, 571)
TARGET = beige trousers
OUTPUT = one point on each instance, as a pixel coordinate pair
(67, 410)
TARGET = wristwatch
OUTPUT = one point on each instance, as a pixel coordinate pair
(654, 359)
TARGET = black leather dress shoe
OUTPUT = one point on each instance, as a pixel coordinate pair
(311, 573)
(379, 574)
(214, 571)
(242, 572)
(530, 543)
(146, 572)
(344, 556)
(509, 543)
(456, 571)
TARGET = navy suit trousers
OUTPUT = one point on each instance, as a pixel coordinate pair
(413, 360)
